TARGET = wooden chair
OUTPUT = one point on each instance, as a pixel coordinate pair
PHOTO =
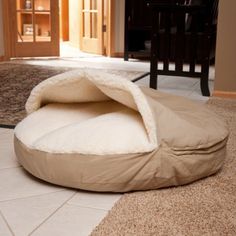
(183, 32)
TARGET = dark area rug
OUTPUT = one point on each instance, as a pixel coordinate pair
(205, 207)
(17, 81)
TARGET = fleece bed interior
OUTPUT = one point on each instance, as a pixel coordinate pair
(98, 128)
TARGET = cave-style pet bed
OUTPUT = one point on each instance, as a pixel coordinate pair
(96, 131)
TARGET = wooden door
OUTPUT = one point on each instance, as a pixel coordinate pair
(35, 27)
(91, 33)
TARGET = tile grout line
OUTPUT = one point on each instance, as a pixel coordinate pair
(47, 218)
(193, 89)
(96, 208)
(13, 167)
(20, 167)
(38, 195)
(6, 222)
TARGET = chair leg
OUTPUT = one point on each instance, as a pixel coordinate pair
(153, 73)
(204, 78)
(153, 81)
(126, 56)
(204, 87)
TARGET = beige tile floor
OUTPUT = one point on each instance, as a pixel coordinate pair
(29, 206)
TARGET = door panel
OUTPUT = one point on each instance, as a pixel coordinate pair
(35, 27)
(91, 38)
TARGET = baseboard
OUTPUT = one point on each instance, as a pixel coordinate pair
(117, 54)
(2, 58)
(224, 94)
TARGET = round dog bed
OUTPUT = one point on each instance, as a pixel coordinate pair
(100, 132)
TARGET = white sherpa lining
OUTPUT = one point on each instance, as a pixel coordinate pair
(90, 86)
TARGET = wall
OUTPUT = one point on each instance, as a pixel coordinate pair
(119, 25)
(1, 32)
(226, 48)
(74, 25)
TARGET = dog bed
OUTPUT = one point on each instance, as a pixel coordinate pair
(95, 131)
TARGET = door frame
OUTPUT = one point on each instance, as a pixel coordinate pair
(64, 20)
(7, 32)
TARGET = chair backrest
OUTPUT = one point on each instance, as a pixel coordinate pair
(182, 32)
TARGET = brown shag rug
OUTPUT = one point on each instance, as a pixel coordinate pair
(205, 207)
(17, 81)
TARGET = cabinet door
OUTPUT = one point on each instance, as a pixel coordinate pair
(91, 37)
(35, 27)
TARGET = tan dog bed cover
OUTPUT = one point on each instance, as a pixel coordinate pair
(96, 131)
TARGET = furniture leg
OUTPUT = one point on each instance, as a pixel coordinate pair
(204, 80)
(153, 73)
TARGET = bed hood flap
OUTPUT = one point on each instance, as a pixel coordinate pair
(89, 85)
